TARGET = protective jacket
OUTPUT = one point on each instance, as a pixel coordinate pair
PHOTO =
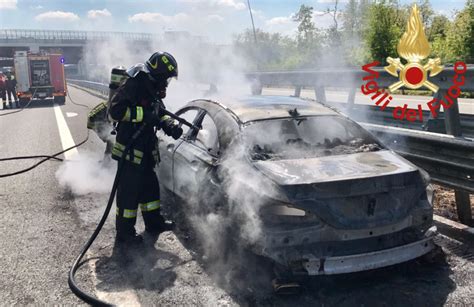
(10, 82)
(2, 82)
(131, 105)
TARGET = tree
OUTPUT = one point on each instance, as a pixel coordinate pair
(308, 40)
(355, 24)
(470, 31)
(426, 12)
(438, 28)
(306, 27)
(333, 35)
(384, 30)
(460, 35)
(273, 50)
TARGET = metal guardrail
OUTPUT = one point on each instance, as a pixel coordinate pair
(348, 78)
(100, 88)
(63, 35)
(372, 114)
(352, 79)
(449, 160)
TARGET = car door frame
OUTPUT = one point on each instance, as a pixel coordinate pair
(190, 139)
(183, 138)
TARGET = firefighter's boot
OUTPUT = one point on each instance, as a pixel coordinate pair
(162, 227)
(128, 246)
(130, 241)
(156, 224)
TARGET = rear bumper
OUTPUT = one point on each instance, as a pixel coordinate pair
(368, 261)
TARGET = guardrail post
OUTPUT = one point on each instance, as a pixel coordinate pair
(320, 93)
(453, 127)
(430, 122)
(351, 97)
(298, 91)
(452, 118)
(256, 87)
(463, 206)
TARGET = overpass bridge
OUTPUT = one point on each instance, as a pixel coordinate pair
(69, 43)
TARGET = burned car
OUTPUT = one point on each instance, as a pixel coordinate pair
(330, 197)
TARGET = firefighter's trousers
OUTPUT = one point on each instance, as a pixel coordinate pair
(11, 92)
(138, 187)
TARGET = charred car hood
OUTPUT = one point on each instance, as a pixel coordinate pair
(334, 168)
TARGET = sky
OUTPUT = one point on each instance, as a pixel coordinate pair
(216, 20)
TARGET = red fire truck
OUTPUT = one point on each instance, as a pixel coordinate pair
(40, 76)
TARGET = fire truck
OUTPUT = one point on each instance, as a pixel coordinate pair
(40, 76)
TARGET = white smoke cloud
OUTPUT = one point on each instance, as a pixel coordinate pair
(94, 14)
(57, 16)
(8, 4)
(87, 174)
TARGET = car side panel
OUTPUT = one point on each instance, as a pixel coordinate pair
(191, 166)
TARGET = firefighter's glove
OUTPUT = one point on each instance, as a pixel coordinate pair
(176, 132)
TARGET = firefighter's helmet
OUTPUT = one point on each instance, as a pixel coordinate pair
(162, 66)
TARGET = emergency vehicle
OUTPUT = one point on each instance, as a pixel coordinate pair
(40, 76)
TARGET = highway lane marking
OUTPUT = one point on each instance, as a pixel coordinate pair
(71, 114)
(126, 297)
(64, 134)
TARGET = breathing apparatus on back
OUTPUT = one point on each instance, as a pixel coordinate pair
(99, 119)
(118, 75)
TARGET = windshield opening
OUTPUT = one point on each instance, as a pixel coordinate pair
(306, 137)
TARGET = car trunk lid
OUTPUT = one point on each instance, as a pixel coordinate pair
(349, 191)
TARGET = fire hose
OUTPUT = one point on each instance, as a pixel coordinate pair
(77, 263)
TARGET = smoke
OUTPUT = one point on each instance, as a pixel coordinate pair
(205, 71)
(201, 66)
(87, 174)
(219, 224)
(226, 218)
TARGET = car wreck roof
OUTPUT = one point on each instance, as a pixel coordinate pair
(264, 107)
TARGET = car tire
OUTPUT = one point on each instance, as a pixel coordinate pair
(23, 102)
(61, 100)
(436, 255)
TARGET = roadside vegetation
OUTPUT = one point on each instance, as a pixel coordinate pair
(362, 31)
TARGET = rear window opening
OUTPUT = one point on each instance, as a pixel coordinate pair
(306, 137)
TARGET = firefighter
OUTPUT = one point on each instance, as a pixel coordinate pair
(133, 106)
(10, 85)
(3, 90)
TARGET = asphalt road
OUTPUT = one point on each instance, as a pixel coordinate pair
(43, 225)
